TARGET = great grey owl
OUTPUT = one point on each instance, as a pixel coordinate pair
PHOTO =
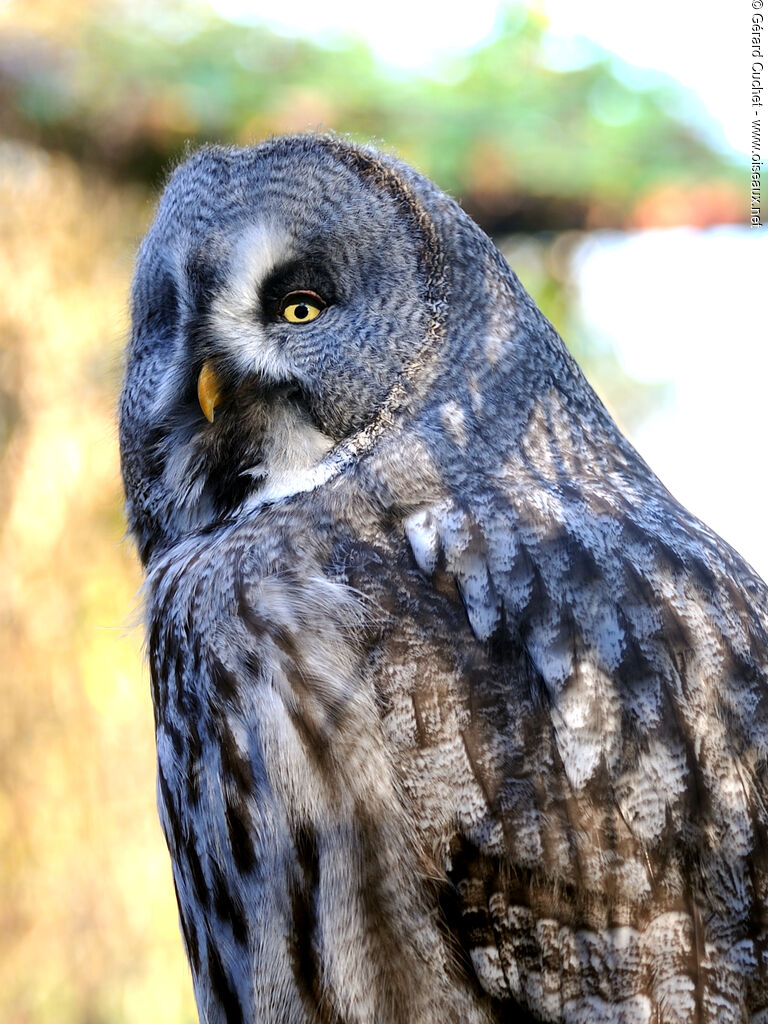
(460, 716)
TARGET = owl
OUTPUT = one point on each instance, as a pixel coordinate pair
(461, 718)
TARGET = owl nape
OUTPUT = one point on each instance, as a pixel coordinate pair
(460, 716)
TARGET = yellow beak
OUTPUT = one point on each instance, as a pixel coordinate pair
(208, 390)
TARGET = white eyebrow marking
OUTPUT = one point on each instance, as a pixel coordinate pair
(258, 250)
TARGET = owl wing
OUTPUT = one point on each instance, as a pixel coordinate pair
(576, 696)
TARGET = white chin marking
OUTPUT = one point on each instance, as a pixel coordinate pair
(295, 459)
(285, 484)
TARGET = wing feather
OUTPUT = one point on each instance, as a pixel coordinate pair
(610, 678)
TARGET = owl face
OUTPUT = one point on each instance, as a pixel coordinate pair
(279, 297)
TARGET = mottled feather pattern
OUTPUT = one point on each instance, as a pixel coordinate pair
(460, 716)
(306, 806)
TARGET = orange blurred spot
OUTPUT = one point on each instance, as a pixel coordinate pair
(699, 206)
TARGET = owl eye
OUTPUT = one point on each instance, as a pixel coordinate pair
(301, 307)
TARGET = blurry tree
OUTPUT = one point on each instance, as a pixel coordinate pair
(526, 147)
(87, 922)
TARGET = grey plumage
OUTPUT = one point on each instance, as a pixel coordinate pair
(460, 716)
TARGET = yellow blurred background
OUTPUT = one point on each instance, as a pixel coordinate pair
(94, 103)
(88, 925)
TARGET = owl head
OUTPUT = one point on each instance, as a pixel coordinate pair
(294, 303)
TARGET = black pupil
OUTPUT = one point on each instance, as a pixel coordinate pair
(301, 311)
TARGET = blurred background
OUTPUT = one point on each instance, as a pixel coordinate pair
(604, 153)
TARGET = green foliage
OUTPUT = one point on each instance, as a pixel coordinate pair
(134, 84)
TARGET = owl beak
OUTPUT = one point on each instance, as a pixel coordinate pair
(209, 390)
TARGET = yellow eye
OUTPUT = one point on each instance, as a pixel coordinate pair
(301, 307)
